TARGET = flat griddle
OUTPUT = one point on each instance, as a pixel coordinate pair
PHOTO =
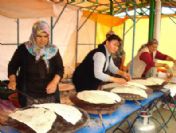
(157, 87)
(133, 97)
(59, 126)
(95, 108)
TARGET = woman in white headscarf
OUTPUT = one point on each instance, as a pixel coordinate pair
(40, 68)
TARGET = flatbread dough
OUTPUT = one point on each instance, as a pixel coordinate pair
(99, 97)
(149, 81)
(137, 85)
(131, 90)
(38, 119)
(129, 84)
(110, 86)
(69, 113)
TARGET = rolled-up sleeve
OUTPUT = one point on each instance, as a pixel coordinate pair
(99, 61)
(59, 68)
(161, 56)
(112, 67)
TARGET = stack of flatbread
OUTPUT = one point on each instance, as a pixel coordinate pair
(48, 118)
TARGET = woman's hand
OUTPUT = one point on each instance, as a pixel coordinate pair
(166, 66)
(51, 87)
(174, 61)
(12, 82)
(12, 85)
(127, 76)
(124, 74)
(118, 80)
(124, 68)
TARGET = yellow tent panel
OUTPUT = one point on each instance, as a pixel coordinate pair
(107, 20)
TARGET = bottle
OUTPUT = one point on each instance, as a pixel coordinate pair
(144, 124)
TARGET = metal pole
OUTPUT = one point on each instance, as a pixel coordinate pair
(137, 20)
(124, 28)
(95, 36)
(77, 30)
(172, 19)
(63, 9)
(18, 32)
(51, 37)
(111, 7)
(133, 44)
(87, 18)
(151, 19)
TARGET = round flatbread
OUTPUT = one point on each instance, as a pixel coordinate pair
(99, 97)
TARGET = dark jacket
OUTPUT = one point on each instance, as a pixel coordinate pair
(83, 77)
(33, 76)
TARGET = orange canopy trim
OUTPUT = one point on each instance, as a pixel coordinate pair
(107, 20)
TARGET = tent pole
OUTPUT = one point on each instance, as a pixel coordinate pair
(77, 31)
(76, 45)
(63, 9)
(171, 18)
(87, 18)
(111, 7)
(95, 36)
(137, 20)
(133, 44)
(157, 22)
(18, 31)
(51, 37)
(151, 20)
(124, 28)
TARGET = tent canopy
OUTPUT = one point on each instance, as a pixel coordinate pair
(26, 8)
(115, 6)
(45, 8)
